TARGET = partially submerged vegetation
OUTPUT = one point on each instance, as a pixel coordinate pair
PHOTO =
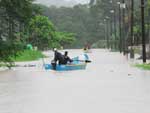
(143, 66)
(28, 55)
(22, 56)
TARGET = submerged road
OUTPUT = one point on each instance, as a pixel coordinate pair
(108, 85)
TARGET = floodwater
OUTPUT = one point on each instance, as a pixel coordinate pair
(110, 84)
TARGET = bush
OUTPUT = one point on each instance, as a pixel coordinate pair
(143, 66)
(28, 55)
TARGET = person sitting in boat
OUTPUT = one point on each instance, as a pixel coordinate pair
(67, 58)
(84, 48)
(87, 47)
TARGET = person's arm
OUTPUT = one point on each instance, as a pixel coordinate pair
(70, 60)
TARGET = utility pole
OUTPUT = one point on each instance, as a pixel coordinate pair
(132, 34)
(120, 32)
(107, 28)
(111, 26)
(149, 30)
(113, 11)
(115, 30)
(123, 26)
(143, 32)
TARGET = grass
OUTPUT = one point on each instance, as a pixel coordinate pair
(143, 66)
(3, 65)
(28, 55)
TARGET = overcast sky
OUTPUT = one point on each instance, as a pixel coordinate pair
(62, 2)
(80, 1)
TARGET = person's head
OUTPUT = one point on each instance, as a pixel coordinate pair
(66, 53)
(55, 49)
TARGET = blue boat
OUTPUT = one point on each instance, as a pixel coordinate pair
(73, 66)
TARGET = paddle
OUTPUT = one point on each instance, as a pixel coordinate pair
(86, 61)
(82, 56)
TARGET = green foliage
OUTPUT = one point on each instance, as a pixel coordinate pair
(27, 55)
(148, 3)
(9, 49)
(43, 34)
(42, 31)
(136, 29)
(77, 20)
(17, 9)
(143, 66)
(65, 38)
(14, 17)
(20, 23)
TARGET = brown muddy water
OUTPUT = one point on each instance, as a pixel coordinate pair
(109, 85)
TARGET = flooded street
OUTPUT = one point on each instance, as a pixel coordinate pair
(110, 84)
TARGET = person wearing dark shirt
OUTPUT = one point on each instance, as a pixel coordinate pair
(58, 57)
(67, 58)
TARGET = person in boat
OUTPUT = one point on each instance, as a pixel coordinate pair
(61, 59)
(58, 58)
(67, 58)
(86, 47)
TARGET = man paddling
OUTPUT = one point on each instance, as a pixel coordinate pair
(67, 58)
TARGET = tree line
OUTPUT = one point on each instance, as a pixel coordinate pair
(22, 23)
(100, 20)
(102, 23)
(79, 20)
(121, 20)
